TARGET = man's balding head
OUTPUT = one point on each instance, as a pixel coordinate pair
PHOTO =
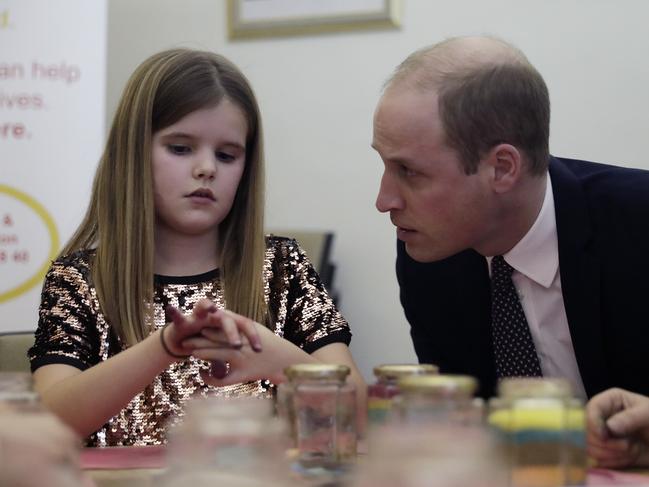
(430, 66)
(488, 93)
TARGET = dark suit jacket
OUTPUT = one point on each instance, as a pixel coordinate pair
(602, 215)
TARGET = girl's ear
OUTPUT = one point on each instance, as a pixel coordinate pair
(504, 162)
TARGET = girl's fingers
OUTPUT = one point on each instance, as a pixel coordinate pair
(202, 308)
(219, 339)
(223, 354)
(205, 315)
(183, 326)
(237, 359)
(200, 342)
(188, 325)
(247, 327)
(174, 315)
(214, 334)
(229, 327)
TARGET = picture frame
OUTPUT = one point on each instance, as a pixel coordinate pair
(269, 18)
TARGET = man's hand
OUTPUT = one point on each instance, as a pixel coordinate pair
(618, 429)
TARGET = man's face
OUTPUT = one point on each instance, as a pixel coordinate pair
(437, 208)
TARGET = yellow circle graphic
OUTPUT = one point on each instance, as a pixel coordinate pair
(40, 210)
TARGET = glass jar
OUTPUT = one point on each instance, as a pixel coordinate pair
(439, 398)
(16, 392)
(381, 393)
(21, 411)
(431, 455)
(320, 407)
(227, 441)
(543, 430)
(576, 456)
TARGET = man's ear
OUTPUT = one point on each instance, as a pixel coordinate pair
(505, 165)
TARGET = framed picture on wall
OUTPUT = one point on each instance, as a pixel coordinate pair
(264, 18)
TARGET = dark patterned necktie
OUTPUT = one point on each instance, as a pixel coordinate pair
(513, 345)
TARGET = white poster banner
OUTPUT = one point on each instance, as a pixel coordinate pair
(52, 112)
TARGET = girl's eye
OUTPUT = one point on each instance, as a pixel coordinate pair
(179, 149)
(224, 157)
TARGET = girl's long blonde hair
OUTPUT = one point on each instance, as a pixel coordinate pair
(120, 219)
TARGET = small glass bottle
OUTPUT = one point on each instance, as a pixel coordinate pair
(542, 427)
(321, 409)
(440, 454)
(443, 397)
(380, 394)
(227, 441)
(17, 394)
(577, 458)
(20, 404)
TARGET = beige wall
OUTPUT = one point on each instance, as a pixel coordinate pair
(317, 95)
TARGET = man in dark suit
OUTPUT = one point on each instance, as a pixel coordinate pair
(463, 128)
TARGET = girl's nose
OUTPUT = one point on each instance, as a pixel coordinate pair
(204, 170)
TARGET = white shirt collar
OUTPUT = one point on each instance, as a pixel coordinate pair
(536, 255)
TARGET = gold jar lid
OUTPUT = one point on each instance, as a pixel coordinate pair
(316, 372)
(533, 387)
(396, 371)
(442, 384)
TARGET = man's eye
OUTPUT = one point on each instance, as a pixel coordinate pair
(224, 156)
(406, 171)
(179, 149)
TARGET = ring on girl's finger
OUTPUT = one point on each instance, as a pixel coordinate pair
(219, 369)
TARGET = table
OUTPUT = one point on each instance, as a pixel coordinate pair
(133, 466)
(138, 466)
(602, 476)
(124, 478)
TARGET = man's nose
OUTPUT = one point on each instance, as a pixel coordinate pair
(388, 198)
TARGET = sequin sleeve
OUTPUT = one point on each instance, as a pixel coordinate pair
(311, 317)
(67, 318)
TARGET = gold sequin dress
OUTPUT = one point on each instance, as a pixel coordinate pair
(72, 330)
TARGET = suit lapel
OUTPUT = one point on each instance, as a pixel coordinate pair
(580, 276)
(474, 319)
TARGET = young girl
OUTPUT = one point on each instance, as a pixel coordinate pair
(134, 309)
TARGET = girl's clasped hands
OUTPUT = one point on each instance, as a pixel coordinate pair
(230, 342)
